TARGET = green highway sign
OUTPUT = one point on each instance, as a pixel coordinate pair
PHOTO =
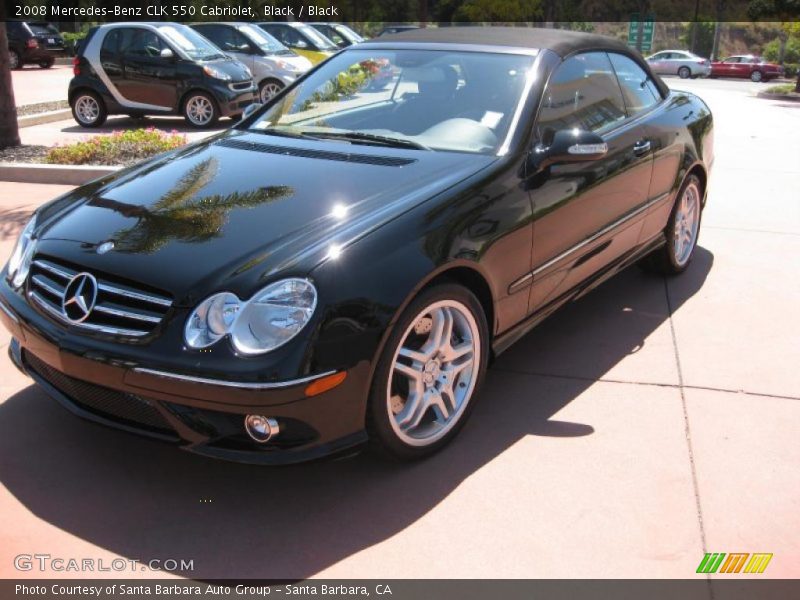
(648, 27)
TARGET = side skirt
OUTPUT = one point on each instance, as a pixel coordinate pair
(502, 342)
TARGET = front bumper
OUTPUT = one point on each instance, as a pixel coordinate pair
(232, 99)
(205, 417)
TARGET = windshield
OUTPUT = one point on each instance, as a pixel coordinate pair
(42, 29)
(320, 41)
(348, 33)
(194, 45)
(264, 40)
(457, 101)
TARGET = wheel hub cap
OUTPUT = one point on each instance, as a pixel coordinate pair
(434, 373)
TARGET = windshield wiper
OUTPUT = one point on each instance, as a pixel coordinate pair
(371, 138)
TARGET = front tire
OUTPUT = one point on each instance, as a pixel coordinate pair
(200, 110)
(46, 64)
(756, 76)
(432, 366)
(89, 110)
(684, 72)
(268, 89)
(682, 231)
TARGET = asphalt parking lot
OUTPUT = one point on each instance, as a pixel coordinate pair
(648, 423)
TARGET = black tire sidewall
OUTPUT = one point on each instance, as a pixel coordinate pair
(214, 118)
(382, 436)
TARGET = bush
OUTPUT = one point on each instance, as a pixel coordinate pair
(791, 70)
(118, 148)
(784, 88)
(792, 54)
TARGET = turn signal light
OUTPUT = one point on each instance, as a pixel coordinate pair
(32, 43)
(325, 383)
(76, 66)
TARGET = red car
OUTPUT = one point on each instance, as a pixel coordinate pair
(753, 67)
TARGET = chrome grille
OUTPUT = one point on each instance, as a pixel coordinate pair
(119, 309)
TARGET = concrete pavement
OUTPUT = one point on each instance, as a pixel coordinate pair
(33, 84)
(650, 422)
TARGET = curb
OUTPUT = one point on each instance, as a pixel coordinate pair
(45, 117)
(60, 174)
(783, 97)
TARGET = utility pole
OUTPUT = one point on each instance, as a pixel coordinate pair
(695, 26)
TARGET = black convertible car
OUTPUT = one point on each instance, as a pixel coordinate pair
(342, 265)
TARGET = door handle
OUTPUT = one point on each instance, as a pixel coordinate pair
(641, 147)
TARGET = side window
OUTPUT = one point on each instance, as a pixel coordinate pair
(638, 90)
(110, 44)
(583, 92)
(143, 42)
(240, 42)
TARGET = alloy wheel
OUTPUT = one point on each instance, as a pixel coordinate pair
(434, 372)
(199, 110)
(684, 72)
(756, 76)
(269, 90)
(687, 223)
(87, 109)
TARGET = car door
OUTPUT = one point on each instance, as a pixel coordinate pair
(147, 76)
(587, 214)
(729, 66)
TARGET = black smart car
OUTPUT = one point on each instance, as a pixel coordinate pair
(342, 265)
(156, 69)
(33, 42)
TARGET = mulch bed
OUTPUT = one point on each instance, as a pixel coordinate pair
(23, 154)
(41, 107)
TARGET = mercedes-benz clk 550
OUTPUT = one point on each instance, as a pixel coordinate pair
(342, 266)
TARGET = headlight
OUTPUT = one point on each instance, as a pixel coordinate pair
(20, 262)
(216, 73)
(271, 318)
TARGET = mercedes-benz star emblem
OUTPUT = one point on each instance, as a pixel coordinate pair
(80, 296)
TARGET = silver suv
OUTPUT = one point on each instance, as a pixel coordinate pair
(274, 66)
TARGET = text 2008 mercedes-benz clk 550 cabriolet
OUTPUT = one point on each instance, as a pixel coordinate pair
(342, 265)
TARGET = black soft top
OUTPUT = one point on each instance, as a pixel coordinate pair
(563, 43)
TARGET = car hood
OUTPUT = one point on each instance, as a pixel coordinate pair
(240, 208)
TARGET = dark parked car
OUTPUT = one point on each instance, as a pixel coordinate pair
(751, 67)
(339, 34)
(156, 69)
(342, 265)
(33, 42)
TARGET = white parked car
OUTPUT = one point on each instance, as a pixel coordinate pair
(274, 66)
(682, 63)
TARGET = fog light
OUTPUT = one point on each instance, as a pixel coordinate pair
(261, 429)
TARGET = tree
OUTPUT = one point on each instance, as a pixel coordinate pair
(785, 11)
(9, 132)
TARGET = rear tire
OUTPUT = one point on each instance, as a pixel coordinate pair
(46, 64)
(684, 72)
(681, 232)
(431, 368)
(88, 109)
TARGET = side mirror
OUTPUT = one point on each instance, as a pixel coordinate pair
(167, 53)
(251, 108)
(569, 145)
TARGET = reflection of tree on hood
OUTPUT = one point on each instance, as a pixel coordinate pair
(181, 214)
